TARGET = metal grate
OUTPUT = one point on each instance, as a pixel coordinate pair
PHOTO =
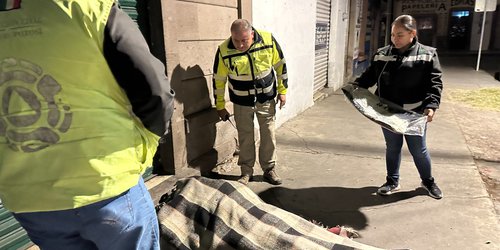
(321, 44)
(130, 7)
(12, 235)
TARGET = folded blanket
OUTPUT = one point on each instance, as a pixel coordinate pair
(206, 213)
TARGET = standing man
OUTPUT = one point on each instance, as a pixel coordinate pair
(83, 106)
(253, 63)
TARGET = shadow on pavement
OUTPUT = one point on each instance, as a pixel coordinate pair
(329, 206)
(215, 175)
(333, 206)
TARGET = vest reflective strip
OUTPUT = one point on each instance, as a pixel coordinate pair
(220, 78)
(283, 76)
(426, 58)
(277, 65)
(250, 91)
(410, 106)
(220, 92)
(384, 58)
(249, 77)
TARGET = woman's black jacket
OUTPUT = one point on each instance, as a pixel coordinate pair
(412, 77)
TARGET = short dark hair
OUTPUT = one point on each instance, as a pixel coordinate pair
(406, 21)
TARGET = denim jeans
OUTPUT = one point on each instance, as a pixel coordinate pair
(418, 149)
(127, 221)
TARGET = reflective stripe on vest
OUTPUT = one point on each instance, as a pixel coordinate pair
(251, 91)
(392, 58)
(281, 62)
(411, 106)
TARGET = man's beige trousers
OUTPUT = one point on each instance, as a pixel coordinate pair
(244, 117)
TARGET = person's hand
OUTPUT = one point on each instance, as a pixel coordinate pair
(429, 113)
(223, 114)
(281, 100)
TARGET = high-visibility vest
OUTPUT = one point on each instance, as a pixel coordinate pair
(68, 136)
(255, 75)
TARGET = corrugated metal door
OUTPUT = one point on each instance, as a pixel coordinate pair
(321, 44)
(130, 7)
(12, 235)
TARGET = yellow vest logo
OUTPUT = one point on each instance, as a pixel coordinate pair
(32, 116)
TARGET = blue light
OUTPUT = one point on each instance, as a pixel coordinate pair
(460, 13)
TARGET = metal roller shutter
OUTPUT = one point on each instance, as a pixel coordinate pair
(321, 44)
(130, 7)
(12, 235)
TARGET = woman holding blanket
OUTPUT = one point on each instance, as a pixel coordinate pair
(407, 73)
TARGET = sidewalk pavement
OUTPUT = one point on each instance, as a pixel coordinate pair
(332, 161)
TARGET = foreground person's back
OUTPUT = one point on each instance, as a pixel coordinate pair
(83, 105)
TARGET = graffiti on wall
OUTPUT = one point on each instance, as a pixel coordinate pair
(322, 34)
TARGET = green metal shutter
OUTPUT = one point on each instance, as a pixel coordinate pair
(130, 7)
(12, 235)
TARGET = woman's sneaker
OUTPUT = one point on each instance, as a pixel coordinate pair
(433, 189)
(388, 188)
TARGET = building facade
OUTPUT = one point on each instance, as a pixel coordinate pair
(452, 25)
(313, 35)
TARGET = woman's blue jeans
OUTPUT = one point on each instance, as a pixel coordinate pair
(127, 221)
(418, 149)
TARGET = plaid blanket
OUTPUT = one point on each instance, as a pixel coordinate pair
(206, 213)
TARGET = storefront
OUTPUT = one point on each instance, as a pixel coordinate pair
(451, 25)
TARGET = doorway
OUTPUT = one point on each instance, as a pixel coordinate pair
(459, 29)
(426, 26)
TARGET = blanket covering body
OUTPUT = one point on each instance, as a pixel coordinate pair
(217, 214)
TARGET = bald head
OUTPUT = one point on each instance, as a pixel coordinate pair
(242, 34)
(241, 25)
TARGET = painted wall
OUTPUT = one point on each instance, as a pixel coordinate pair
(293, 25)
(339, 24)
(198, 138)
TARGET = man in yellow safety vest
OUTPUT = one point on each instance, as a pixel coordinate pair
(252, 64)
